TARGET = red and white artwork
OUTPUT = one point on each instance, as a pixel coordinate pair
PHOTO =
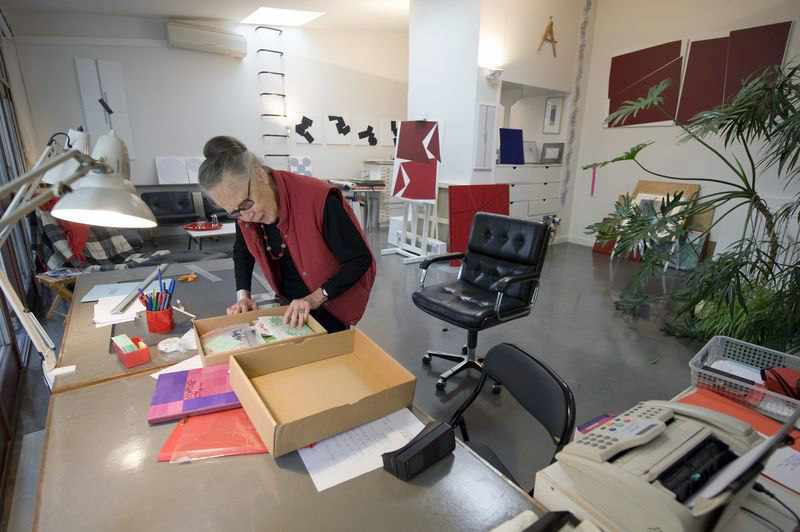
(417, 160)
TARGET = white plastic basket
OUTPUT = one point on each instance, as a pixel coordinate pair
(772, 404)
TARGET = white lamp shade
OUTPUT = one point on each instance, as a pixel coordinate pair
(104, 206)
(112, 151)
(79, 140)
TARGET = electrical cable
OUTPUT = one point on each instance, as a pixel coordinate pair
(761, 489)
(773, 525)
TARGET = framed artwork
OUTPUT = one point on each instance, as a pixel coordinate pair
(417, 159)
(552, 115)
(552, 153)
(300, 164)
(338, 129)
(307, 129)
(388, 132)
(365, 131)
(530, 151)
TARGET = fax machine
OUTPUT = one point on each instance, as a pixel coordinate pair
(643, 468)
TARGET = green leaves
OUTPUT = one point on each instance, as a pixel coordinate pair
(629, 155)
(631, 108)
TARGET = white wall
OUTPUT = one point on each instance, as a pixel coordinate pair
(620, 28)
(442, 66)
(510, 35)
(527, 114)
(178, 99)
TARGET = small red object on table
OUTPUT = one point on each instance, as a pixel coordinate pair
(134, 358)
(202, 226)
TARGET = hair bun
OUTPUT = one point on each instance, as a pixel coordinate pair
(223, 145)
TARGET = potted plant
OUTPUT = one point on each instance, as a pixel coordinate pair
(751, 290)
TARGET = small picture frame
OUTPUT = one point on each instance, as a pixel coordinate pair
(552, 115)
(552, 153)
(530, 151)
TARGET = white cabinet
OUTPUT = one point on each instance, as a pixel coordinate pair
(112, 86)
(484, 136)
(103, 79)
(534, 189)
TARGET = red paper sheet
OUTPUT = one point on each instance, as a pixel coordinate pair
(708, 399)
(226, 433)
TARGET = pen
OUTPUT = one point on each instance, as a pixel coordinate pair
(160, 282)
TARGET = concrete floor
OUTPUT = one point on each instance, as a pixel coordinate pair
(610, 362)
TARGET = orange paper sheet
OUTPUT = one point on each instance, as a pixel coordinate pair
(226, 433)
(763, 424)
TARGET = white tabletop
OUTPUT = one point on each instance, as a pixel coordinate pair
(226, 229)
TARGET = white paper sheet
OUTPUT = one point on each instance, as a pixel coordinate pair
(114, 289)
(784, 468)
(104, 306)
(740, 370)
(358, 451)
(190, 339)
(190, 363)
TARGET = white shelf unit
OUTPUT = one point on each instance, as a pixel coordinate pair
(382, 170)
(534, 189)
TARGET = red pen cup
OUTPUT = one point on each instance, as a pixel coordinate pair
(160, 321)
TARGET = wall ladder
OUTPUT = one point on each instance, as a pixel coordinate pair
(272, 93)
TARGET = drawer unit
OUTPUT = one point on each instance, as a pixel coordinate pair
(527, 173)
(530, 191)
(543, 206)
(518, 209)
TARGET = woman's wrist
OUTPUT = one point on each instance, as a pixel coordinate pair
(242, 294)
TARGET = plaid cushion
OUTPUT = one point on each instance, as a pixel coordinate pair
(106, 248)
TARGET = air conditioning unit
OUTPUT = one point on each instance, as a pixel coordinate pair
(204, 39)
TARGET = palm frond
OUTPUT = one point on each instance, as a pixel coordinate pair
(630, 108)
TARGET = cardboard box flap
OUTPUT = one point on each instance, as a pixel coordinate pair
(317, 427)
(390, 371)
(256, 410)
(306, 351)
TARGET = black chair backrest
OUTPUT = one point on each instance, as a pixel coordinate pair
(170, 204)
(534, 385)
(499, 246)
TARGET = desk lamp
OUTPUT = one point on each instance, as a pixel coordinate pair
(102, 195)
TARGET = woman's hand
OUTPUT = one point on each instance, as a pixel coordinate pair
(299, 309)
(243, 305)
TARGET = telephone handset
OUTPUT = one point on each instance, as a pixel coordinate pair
(644, 422)
(721, 421)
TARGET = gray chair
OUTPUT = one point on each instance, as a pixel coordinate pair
(498, 282)
(535, 386)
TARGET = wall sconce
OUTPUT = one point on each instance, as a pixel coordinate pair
(495, 75)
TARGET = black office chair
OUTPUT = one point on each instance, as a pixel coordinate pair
(535, 386)
(498, 282)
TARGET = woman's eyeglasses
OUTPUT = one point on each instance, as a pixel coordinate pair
(244, 205)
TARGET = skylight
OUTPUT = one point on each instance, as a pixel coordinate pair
(281, 17)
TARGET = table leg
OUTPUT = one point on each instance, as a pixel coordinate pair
(200, 243)
(190, 243)
(53, 306)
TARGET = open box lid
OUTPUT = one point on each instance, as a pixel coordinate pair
(300, 393)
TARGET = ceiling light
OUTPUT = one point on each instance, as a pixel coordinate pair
(281, 17)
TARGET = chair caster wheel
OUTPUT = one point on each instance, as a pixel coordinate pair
(464, 350)
(497, 388)
(426, 359)
(440, 384)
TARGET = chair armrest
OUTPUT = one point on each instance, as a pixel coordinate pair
(503, 283)
(425, 264)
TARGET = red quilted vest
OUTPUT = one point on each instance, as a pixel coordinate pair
(302, 203)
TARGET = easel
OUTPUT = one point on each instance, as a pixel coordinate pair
(413, 246)
(549, 35)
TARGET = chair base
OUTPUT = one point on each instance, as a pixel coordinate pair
(464, 362)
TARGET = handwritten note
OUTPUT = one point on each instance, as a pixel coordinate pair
(784, 468)
(358, 451)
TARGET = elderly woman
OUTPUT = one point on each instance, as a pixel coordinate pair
(303, 236)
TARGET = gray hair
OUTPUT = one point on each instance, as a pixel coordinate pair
(224, 156)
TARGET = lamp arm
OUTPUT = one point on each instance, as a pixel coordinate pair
(82, 158)
(59, 189)
(37, 334)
